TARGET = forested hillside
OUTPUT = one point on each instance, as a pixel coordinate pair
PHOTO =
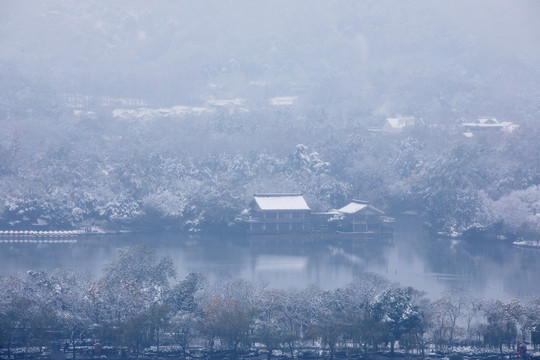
(172, 114)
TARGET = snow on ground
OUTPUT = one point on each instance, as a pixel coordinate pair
(148, 113)
(80, 101)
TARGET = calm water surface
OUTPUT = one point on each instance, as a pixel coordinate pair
(490, 270)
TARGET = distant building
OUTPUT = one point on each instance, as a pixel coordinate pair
(361, 217)
(397, 124)
(41, 224)
(226, 102)
(488, 124)
(279, 213)
(289, 213)
(283, 100)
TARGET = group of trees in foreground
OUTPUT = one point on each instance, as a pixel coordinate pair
(137, 307)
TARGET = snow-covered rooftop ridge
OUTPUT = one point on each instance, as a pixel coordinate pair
(281, 201)
(357, 205)
(402, 121)
(492, 122)
(283, 100)
(352, 207)
(488, 122)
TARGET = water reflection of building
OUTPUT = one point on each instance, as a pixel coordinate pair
(280, 263)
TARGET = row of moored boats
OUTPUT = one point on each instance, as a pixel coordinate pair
(40, 233)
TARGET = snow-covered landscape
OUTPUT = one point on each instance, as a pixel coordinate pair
(166, 117)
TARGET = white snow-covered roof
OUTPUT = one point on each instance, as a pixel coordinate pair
(40, 222)
(492, 123)
(281, 202)
(401, 122)
(352, 208)
(487, 125)
(283, 100)
(226, 102)
(357, 205)
(489, 122)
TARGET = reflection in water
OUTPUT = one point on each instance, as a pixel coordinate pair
(491, 270)
(280, 263)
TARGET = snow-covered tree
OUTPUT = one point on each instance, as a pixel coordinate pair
(396, 309)
(228, 314)
(501, 327)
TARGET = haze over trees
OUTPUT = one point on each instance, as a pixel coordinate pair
(172, 114)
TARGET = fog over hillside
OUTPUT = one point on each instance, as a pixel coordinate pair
(433, 59)
(175, 112)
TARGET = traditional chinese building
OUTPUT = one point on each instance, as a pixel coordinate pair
(279, 213)
(359, 216)
(489, 124)
(397, 124)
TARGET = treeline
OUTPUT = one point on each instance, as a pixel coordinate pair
(143, 175)
(197, 172)
(137, 307)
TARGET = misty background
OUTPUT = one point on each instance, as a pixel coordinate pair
(173, 113)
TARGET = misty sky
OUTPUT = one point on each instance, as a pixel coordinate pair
(188, 51)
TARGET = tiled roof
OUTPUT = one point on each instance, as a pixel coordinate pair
(357, 205)
(281, 202)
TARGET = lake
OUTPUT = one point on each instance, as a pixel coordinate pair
(489, 269)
